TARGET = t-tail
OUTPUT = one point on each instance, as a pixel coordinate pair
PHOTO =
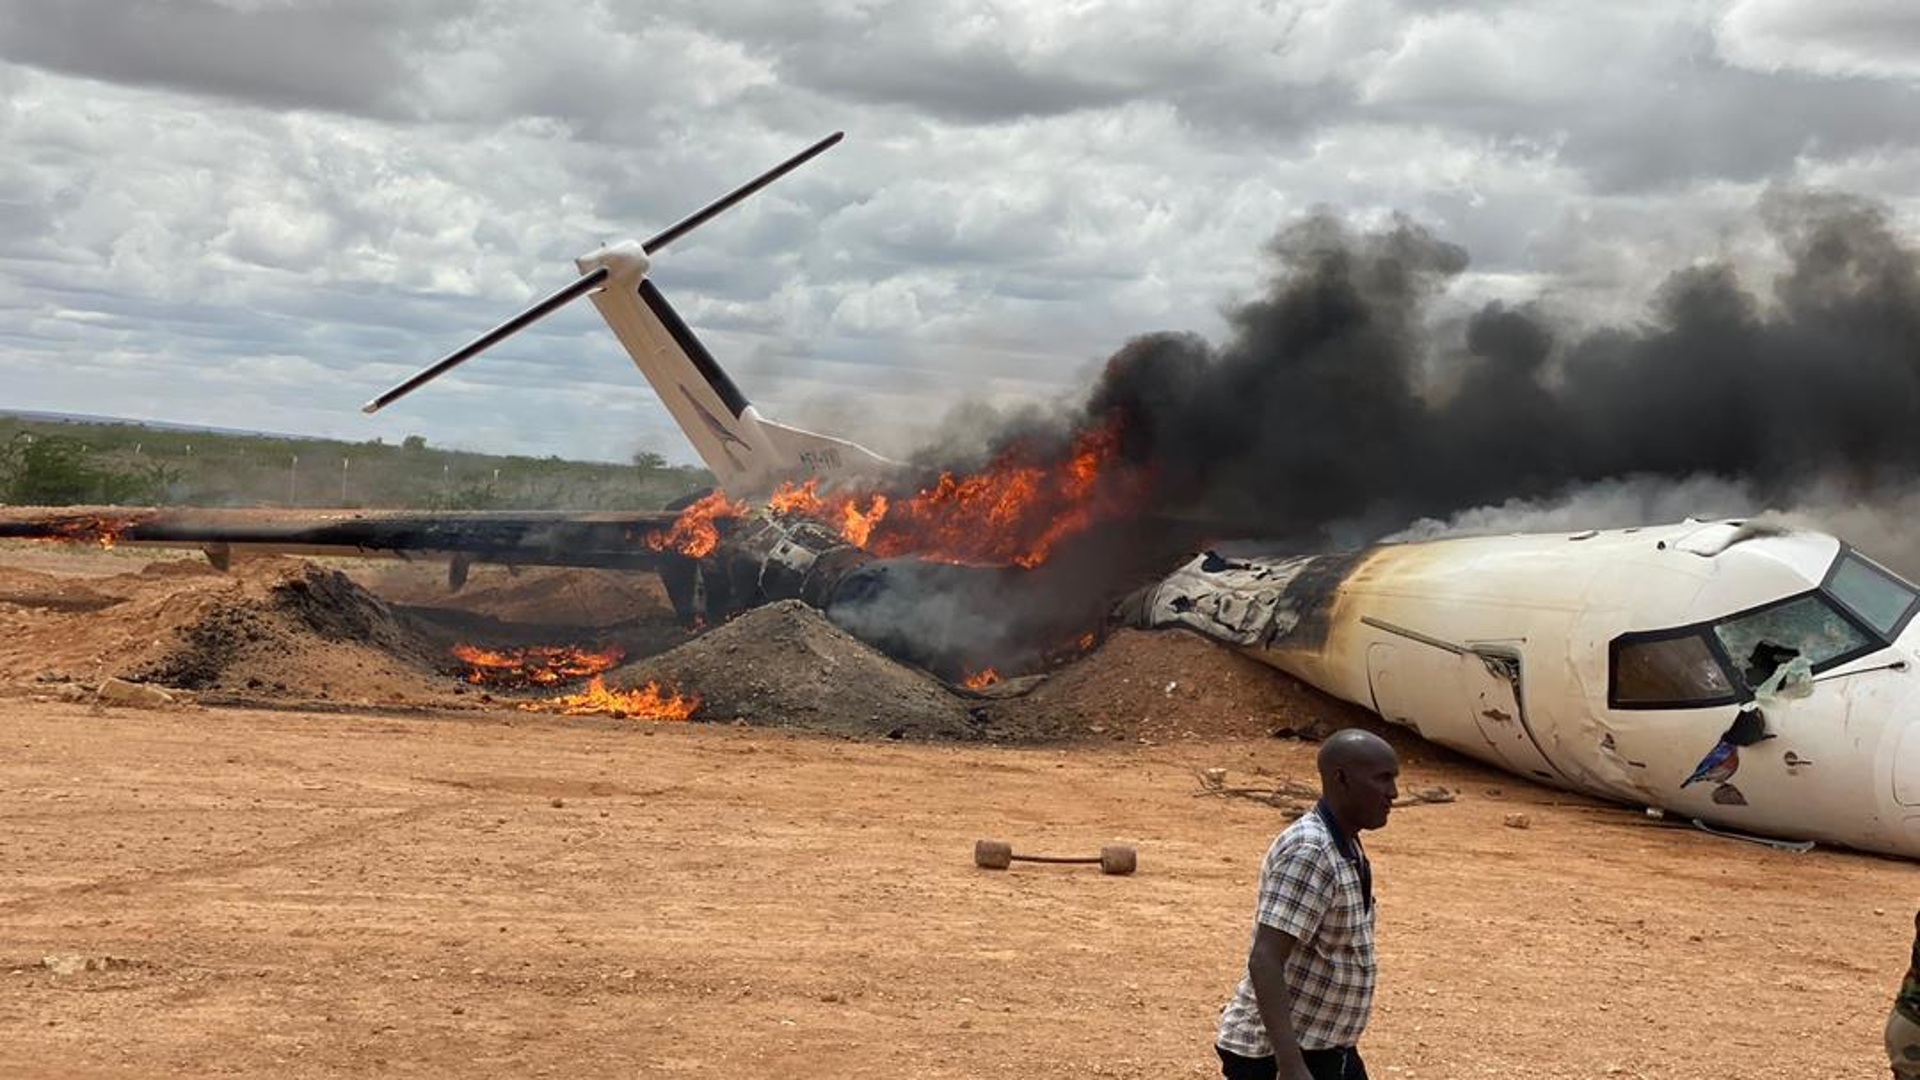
(749, 455)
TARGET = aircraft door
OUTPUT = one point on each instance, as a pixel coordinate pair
(1418, 686)
(1490, 677)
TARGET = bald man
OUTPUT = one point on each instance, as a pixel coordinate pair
(1308, 990)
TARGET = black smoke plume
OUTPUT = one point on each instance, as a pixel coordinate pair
(1332, 410)
(1334, 414)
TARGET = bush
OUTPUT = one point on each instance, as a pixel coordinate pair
(52, 470)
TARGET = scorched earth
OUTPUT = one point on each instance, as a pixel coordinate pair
(331, 854)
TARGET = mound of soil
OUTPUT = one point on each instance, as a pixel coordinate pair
(785, 665)
(287, 631)
(1162, 685)
(31, 589)
(295, 627)
(60, 629)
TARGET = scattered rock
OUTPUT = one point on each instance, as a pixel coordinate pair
(133, 695)
(1519, 821)
(75, 963)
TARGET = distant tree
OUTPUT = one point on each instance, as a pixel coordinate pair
(474, 496)
(414, 442)
(647, 459)
(47, 470)
(53, 470)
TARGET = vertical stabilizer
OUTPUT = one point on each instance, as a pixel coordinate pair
(749, 456)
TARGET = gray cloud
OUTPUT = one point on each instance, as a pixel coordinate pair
(225, 211)
(346, 55)
(1843, 38)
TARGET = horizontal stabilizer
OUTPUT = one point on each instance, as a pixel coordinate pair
(823, 456)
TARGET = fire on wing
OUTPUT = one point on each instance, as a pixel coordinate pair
(1012, 513)
(952, 576)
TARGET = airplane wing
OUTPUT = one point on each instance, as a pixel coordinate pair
(521, 538)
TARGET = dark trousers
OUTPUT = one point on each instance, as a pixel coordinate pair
(1337, 1063)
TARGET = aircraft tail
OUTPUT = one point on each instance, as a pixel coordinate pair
(749, 456)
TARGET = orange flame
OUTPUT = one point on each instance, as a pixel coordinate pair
(980, 680)
(1071, 650)
(540, 665)
(645, 703)
(696, 531)
(1013, 512)
(103, 531)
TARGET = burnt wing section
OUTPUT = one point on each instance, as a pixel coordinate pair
(558, 538)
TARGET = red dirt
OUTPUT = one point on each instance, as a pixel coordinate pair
(382, 873)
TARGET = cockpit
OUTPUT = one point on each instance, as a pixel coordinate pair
(1858, 609)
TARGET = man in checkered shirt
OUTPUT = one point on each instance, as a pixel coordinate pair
(1309, 984)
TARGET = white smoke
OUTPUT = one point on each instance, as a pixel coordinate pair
(1878, 522)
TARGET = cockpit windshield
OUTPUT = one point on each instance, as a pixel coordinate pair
(1810, 627)
(1860, 608)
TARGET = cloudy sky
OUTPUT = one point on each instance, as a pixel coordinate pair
(261, 213)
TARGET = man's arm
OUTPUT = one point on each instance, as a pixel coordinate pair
(1266, 969)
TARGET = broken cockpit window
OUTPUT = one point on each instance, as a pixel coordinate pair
(1809, 627)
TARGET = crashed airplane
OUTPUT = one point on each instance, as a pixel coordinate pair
(1746, 678)
(1751, 680)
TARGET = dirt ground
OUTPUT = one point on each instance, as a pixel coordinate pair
(332, 856)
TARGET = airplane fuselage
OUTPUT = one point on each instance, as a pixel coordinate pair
(1762, 682)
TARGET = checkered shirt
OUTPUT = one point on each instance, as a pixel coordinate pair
(1908, 1000)
(1311, 892)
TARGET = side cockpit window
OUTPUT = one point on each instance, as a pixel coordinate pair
(1877, 596)
(1669, 670)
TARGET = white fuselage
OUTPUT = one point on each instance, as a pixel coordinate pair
(1616, 664)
